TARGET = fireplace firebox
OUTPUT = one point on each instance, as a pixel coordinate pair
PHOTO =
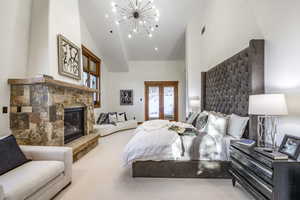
(73, 124)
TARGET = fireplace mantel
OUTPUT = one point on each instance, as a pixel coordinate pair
(49, 81)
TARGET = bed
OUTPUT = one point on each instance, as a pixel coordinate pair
(225, 88)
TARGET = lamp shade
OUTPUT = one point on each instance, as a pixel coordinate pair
(195, 101)
(268, 104)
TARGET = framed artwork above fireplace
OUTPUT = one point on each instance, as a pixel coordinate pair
(69, 58)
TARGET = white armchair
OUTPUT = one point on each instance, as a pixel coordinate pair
(48, 173)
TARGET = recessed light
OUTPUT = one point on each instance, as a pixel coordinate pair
(129, 36)
(156, 49)
(150, 35)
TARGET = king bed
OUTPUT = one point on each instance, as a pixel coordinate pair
(156, 151)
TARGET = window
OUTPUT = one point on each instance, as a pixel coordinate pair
(92, 73)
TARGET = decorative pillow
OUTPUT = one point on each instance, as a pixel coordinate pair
(237, 126)
(122, 117)
(192, 118)
(216, 125)
(201, 121)
(102, 119)
(113, 117)
(11, 155)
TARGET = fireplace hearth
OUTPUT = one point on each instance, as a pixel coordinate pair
(73, 124)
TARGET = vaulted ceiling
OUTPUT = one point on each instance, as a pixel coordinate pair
(117, 49)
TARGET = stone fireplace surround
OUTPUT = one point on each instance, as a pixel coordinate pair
(37, 110)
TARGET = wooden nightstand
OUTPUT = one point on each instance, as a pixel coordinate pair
(264, 178)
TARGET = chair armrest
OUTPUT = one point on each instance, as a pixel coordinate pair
(39, 153)
(1, 193)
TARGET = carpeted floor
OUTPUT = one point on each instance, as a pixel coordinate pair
(100, 176)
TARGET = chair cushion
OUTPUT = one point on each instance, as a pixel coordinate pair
(11, 155)
(28, 178)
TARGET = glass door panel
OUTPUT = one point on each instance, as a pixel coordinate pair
(169, 103)
(153, 103)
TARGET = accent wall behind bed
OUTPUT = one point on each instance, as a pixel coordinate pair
(226, 87)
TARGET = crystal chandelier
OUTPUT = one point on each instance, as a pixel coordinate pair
(141, 16)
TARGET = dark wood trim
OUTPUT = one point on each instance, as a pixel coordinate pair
(161, 85)
(92, 57)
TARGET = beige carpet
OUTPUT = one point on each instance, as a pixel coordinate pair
(100, 176)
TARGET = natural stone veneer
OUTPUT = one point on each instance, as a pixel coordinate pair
(37, 112)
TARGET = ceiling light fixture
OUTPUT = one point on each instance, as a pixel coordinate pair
(141, 16)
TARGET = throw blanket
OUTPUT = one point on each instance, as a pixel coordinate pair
(158, 143)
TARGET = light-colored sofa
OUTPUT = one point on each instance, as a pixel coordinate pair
(48, 173)
(107, 129)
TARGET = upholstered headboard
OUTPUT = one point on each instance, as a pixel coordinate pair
(226, 87)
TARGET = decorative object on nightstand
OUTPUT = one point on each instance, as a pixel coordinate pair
(263, 177)
(267, 107)
(290, 146)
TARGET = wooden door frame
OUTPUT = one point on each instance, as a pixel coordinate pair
(161, 85)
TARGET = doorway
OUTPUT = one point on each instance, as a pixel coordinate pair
(161, 100)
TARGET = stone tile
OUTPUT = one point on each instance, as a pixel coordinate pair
(52, 113)
(19, 121)
(13, 109)
(27, 109)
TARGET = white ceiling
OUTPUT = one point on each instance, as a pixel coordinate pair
(117, 49)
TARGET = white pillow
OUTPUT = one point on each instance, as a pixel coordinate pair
(237, 125)
(121, 117)
(113, 118)
(216, 125)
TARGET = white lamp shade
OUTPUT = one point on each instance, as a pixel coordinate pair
(195, 102)
(268, 104)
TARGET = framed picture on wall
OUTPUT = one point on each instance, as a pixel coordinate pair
(126, 97)
(69, 58)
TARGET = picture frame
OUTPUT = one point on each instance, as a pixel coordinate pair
(69, 58)
(126, 97)
(290, 146)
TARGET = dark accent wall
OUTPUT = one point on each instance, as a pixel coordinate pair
(226, 87)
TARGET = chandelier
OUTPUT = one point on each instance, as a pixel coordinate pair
(141, 16)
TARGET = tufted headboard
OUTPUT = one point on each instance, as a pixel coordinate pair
(226, 87)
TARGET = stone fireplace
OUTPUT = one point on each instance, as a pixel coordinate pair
(39, 108)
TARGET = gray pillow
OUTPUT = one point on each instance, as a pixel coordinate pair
(192, 118)
(201, 121)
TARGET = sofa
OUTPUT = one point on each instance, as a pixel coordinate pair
(48, 172)
(108, 129)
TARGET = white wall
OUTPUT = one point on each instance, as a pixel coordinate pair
(140, 71)
(50, 18)
(14, 23)
(64, 18)
(230, 26)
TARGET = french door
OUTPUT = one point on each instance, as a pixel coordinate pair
(161, 100)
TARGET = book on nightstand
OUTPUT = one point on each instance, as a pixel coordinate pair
(275, 155)
(246, 142)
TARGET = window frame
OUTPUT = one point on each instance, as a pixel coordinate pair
(92, 57)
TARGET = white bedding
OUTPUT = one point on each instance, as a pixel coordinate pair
(153, 141)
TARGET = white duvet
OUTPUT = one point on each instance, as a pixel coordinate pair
(153, 141)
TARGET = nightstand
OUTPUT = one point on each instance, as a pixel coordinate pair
(264, 178)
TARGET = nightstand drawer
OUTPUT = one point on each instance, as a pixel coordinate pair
(252, 179)
(254, 166)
